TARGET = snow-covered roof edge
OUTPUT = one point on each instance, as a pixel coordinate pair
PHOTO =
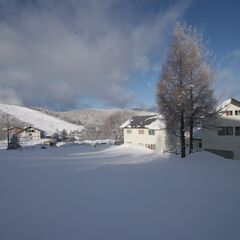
(227, 102)
(154, 122)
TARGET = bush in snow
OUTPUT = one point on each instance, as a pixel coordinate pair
(14, 142)
(64, 135)
(56, 137)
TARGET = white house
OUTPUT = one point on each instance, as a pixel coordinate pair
(25, 134)
(150, 132)
(224, 139)
(31, 133)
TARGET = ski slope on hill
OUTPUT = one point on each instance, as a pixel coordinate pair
(48, 124)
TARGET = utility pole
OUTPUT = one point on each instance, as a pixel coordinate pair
(8, 137)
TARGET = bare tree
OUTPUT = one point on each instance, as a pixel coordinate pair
(185, 95)
(112, 126)
(171, 89)
(201, 103)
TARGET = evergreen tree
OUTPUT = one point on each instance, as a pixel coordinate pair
(14, 142)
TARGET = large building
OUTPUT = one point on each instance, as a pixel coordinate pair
(224, 138)
(150, 132)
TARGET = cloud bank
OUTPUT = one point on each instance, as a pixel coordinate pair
(57, 53)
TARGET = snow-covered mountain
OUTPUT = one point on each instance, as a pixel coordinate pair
(93, 116)
(98, 123)
(45, 122)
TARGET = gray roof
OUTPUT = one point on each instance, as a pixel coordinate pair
(227, 102)
(235, 102)
(148, 121)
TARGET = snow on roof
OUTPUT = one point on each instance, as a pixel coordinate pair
(125, 124)
(227, 102)
(149, 122)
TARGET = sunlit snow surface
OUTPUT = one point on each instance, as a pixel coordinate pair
(87, 193)
(40, 120)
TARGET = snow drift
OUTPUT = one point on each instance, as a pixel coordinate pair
(89, 193)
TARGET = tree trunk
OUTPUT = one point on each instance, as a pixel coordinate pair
(191, 123)
(191, 135)
(182, 130)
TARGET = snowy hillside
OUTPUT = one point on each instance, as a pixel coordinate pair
(48, 124)
(120, 193)
(91, 115)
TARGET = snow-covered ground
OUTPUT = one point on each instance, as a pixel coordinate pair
(118, 192)
(38, 119)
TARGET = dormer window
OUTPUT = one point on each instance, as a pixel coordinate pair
(151, 132)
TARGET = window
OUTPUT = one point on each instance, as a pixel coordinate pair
(129, 131)
(229, 113)
(150, 146)
(229, 131)
(237, 131)
(151, 132)
(237, 112)
(141, 131)
(225, 131)
(221, 131)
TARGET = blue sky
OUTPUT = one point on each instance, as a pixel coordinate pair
(81, 53)
(219, 21)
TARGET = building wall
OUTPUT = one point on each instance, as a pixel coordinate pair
(160, 139)
(13, 131)
(212, 141)
(30, 133)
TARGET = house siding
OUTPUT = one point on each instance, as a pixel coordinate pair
(214, 143)
(30, 133)
(160, 139)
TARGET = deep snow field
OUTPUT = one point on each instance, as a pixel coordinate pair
(122, 193)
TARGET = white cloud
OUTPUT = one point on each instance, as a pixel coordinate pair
(54, 53)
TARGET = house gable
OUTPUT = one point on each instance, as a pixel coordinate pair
(224, 139)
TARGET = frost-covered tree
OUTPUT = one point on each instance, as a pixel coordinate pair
(64, 135)
(201, 108)
(112, 125)
(171, 89)
(185, 95)
(56, 136)
(201, 103)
